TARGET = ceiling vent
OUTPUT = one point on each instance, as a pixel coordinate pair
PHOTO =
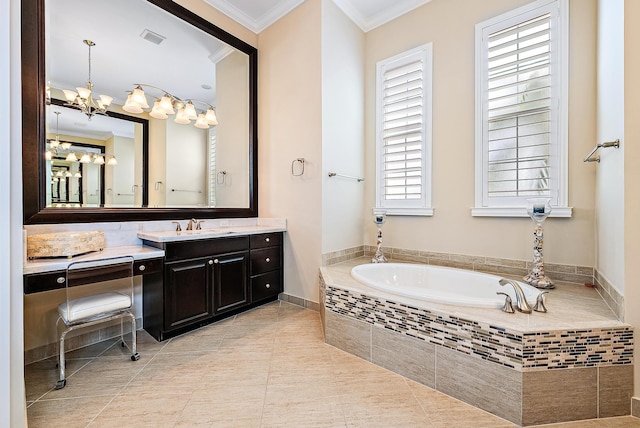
(152, 37)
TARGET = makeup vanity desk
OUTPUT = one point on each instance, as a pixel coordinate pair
(49, 274)
(190, 278)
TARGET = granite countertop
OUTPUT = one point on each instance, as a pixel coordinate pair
(139, 252)
(190, 235)
(570, 306)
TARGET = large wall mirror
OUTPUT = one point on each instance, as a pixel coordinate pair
(169, 129)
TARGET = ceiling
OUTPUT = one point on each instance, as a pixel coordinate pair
(367, 14)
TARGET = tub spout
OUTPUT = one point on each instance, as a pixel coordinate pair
(521, 301)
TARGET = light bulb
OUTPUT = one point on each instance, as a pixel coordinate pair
(190, 111)
(166, 105)
(131, 106)
(98, 159)
(138, 97)
(69, 95)
(85, 158)
(181, 117)
(201, 122)
(211, 117)
(71, 157)
(157, 111)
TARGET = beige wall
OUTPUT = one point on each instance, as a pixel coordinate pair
(632, 174)
(342, 129)
(232, 133)
(452, 229)
(290, 127)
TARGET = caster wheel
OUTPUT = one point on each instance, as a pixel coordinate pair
(135, 357)
(61, 384)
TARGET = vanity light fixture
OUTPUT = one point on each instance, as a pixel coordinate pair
(112, 161)
(168, 104)
(83, 99)
(85, 158)
(71, 157)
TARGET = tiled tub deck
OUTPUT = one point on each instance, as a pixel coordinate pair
(572, 363)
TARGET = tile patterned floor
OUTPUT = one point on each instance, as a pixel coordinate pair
(268, 367)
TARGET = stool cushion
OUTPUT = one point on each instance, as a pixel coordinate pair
(91, 306)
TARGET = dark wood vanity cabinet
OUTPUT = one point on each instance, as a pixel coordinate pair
(205, 280)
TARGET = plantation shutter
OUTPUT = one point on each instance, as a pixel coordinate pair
(518, 111)
(402, 131)
(212, 167)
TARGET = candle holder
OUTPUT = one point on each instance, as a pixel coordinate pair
(379, 256)
(538, 209)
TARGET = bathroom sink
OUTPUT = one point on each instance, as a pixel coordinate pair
(183, 235)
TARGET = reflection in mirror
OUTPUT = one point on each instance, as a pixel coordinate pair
(154, 66)
(171, 54)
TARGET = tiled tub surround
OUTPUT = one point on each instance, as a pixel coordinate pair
(572, 363)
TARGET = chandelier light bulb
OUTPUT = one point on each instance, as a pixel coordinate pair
(70, 95)
(84, 93)
(47, 155)
(71, 157)
(65, 145)
(54, 143)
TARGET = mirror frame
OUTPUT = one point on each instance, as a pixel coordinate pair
(34, 129)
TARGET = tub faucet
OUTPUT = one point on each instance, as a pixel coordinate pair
(521, 301)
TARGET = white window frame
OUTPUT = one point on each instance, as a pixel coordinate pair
(516, 206)
(422, 206)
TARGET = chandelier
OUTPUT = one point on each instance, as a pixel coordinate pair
(61, 149)
(83, 98)
(168, 104)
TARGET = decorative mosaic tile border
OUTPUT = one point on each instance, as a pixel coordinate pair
(523, 352)
(567, 273)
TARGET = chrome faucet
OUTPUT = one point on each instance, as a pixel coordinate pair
(521, 301)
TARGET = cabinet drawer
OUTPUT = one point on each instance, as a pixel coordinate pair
(203, 248)
(143, 267)
(265, 240)
(265, 286)
(265, 260)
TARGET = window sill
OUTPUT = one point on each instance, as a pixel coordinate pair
(426, 212)
(557, 212)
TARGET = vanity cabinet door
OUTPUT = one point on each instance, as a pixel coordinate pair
(187, 292)
(229, 276)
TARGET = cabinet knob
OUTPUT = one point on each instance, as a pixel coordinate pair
(267, 239)
(268, 285)
(216, 261)
(142, 267)
(61, 280)
(267, 260)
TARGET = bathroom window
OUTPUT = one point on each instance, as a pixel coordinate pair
(521, 109)
(403, 133)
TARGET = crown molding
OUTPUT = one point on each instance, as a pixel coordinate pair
(368, 23)
(254, 24)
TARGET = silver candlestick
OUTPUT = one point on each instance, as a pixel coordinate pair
(538, 209)
(379, 256)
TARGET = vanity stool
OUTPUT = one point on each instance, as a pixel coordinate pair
(79, 312)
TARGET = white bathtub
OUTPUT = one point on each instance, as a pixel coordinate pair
(439, 284)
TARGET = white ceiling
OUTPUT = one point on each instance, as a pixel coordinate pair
(367, 14)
